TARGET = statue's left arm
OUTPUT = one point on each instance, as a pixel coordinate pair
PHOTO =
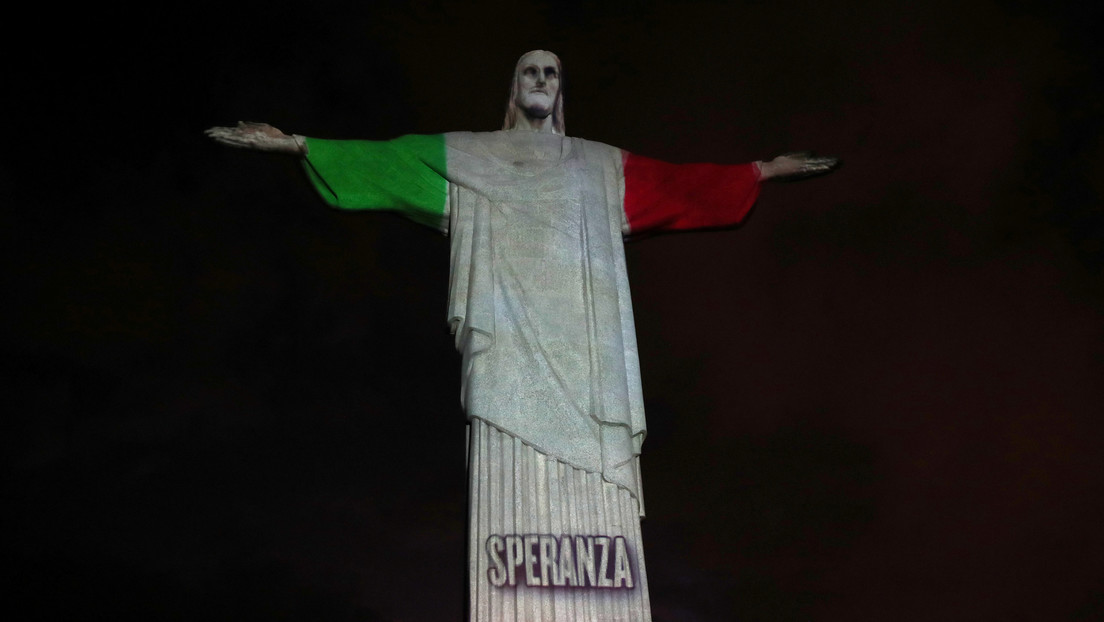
(660, 196)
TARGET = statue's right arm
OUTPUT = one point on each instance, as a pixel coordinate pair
(259, 136)
(404, 175)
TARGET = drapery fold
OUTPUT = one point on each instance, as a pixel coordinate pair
(539, 296)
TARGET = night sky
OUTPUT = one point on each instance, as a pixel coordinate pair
(877, 399)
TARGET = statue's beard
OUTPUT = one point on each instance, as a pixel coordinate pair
(538, 105)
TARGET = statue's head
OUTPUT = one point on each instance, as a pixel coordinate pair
(536, 91)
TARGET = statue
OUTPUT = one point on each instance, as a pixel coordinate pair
(539, 306)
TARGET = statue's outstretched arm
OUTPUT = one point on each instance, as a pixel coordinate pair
(259, 136)
(792, 166)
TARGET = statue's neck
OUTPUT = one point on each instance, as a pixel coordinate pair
(526, 123)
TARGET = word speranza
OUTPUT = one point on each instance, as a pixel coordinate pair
(566, 561)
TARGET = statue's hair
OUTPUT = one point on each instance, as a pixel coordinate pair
(512, 111)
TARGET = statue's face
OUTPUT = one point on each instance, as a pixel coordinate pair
(538, 84)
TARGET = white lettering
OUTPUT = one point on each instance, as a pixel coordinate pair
(567, 562)
(497, 573)
(622, 573)
(515, 555)
(603, 577)
(530, 561)
(549, 569)
(559, 561)
(584, 558)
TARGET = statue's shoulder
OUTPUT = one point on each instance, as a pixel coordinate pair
(597, 154)
(473, 140)
(506, 146)
(598, 147)
(497, 141)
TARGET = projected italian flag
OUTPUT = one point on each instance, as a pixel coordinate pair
(410, 175)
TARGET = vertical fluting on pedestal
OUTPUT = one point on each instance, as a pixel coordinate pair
(516, 490)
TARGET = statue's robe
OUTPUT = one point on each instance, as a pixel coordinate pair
(539, 305)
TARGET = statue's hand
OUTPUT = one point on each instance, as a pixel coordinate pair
(792, 166)
(259, 136)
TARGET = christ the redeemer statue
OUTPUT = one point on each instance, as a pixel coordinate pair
(539, 305)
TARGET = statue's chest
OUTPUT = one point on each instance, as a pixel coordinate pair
(559, 198)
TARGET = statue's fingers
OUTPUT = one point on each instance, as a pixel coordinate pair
(222, 135)
(821, 163)
(219, 131)
(232, 140)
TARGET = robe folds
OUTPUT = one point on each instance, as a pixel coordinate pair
(539, 296)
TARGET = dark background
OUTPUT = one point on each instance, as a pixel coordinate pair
(879, 399)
